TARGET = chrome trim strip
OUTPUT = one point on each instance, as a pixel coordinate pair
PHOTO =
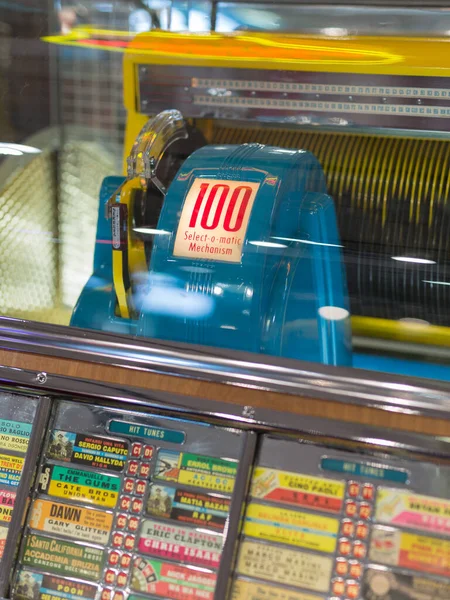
(353, 386)
(241, 485)
(223, 413)
(8, 563)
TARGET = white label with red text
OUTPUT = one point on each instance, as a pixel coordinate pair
(214, 219)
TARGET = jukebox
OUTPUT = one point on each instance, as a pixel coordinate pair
(252, 399)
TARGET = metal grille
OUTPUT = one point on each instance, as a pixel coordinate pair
(91, 96)
(28, 248)
(392, 197)
(48, 228)
(82, 167)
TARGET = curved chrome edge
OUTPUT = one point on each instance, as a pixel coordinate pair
(225, 414)
(352, 386)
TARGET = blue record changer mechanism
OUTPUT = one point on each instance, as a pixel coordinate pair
(243, 252)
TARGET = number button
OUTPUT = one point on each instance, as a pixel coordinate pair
(341, 567)
(113, 558)
(355, 569)
(352, 590)
(144, 470)
(368, 492)
(347, 528)
(125, 503)
(353, 489)
(345, 547)
(362, 531)
(128, 486)
(110, 576)
(365, 511)
(136, 505)
(121, 521)
(133, 466)
(350, 508)
(140, 487)
(117, 540)
(148, 452)
(359, 550)
(338, 587)
(125, 561)
(106, 594)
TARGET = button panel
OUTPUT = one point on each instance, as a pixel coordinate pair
(126, 522)
(352, 546)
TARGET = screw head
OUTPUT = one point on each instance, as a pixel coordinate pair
(248, 411)
(41, 377)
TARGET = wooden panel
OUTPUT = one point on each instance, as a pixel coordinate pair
(229, 393)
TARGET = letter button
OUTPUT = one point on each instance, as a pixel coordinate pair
(106, 594)
(148, 452)
(113, 558)
(118, 596)
(110, 576)
(122, 579)
(338, 587)
(353, 489)
(133, 524)
(132, 468)
(341, 567)
(136, 450)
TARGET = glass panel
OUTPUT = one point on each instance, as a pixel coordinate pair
(332, 21)
(326, 241)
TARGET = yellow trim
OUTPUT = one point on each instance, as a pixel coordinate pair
(84, 36)
(370, 55)
(136, 248)
(136, 251)
(401, 331)
(119, 286)
(135, 122)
